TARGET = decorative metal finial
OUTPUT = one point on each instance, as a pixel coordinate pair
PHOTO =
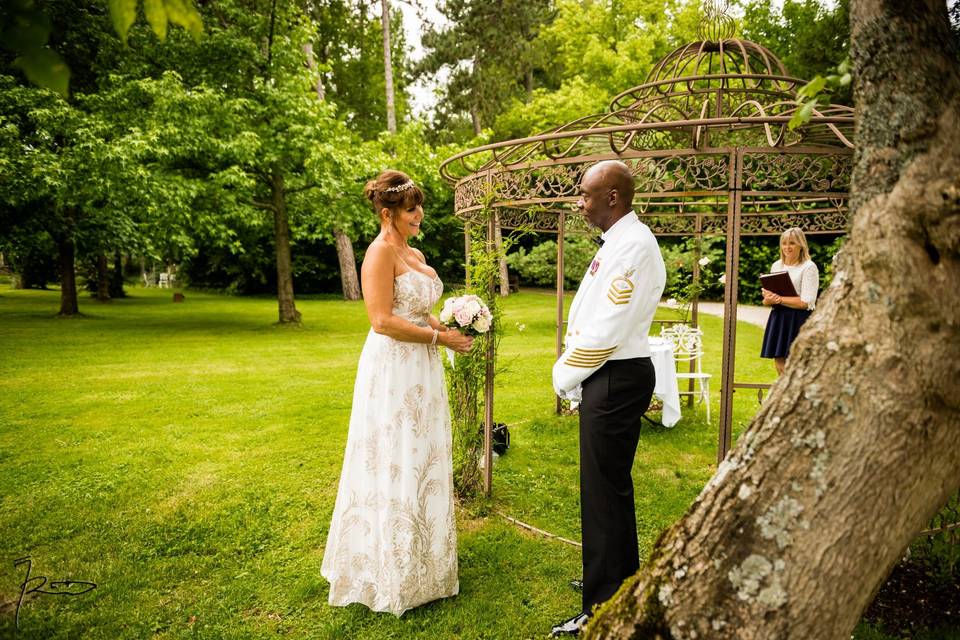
(716, 25)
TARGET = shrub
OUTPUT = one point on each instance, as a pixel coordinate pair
(538, 266)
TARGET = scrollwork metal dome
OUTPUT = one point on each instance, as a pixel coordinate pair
(709, 122)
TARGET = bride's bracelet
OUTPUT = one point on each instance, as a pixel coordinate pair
(436, 334)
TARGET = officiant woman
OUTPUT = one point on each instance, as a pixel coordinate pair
(789, 313)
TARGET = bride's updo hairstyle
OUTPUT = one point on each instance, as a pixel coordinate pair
(393, 190)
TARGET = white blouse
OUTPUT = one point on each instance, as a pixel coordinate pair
(805, 278)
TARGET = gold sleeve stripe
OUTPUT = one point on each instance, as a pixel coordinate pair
(584, 351)
(586, 360)
(589, 358)
(616, 300)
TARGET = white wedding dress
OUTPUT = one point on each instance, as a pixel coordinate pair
(392, 543)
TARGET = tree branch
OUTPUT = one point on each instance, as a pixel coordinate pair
(309, 185)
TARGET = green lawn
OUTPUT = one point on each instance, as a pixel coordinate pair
(185, 458)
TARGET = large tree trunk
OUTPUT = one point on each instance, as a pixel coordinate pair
(116, 277)
(321, 92)
(68, 276)
(103, 279)
(348, 266)
(475, 118)
(348, 263)
(388, 66)
(281, 232)
(858, 444)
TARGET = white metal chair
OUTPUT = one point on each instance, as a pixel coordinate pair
(688, 348)
(164, 281)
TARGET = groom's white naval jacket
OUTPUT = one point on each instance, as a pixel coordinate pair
(614, 305)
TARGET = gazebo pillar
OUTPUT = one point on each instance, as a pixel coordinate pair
(730, 293)
(561, 224)
(466, 251)
(488, 380)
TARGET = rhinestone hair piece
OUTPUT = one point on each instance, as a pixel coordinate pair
(400, 187)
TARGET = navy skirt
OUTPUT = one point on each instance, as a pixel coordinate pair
(783, 325)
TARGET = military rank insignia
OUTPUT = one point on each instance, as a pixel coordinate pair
(594, 266)
(589, 358)
(621, 289)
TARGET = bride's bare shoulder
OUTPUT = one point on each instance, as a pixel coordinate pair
(379, 256)
(379, 249)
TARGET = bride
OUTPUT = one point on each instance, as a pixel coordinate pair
(392, 543)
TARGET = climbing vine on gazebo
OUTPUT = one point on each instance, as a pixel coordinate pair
(470, 376)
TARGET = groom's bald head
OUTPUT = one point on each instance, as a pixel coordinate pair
(606, 192)
(615, 175)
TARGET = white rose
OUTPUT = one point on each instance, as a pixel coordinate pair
(463, 318)
(471, 308)
(446, 314)
(482, 324)
(723, 279)
(704, 261)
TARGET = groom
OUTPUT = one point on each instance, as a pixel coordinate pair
(606, 367)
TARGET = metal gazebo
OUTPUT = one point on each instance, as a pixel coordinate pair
(707, 140)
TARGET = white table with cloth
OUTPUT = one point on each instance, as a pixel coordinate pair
(666, 389)
(661, 353)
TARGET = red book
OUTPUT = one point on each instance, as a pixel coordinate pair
(778, 282)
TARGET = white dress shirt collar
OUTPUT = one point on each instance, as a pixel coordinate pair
(620, 226)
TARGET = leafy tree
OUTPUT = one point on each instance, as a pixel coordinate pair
(810, 38)
(266, 136)
(348, 48)
(28, 26)
(598, 49)
(68, 173)
(488, 50)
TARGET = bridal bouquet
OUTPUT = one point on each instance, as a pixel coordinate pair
(469, 314)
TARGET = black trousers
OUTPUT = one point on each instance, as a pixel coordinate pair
(614, 399)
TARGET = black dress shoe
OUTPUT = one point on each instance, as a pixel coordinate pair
(577, 585)
(570, 627)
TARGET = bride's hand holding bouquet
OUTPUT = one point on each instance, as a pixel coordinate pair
(466, 315)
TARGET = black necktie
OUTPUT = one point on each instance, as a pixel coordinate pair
(598, 240)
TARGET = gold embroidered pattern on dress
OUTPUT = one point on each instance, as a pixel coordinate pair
(392, 543)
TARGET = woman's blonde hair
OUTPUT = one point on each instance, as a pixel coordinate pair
(795, 234)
